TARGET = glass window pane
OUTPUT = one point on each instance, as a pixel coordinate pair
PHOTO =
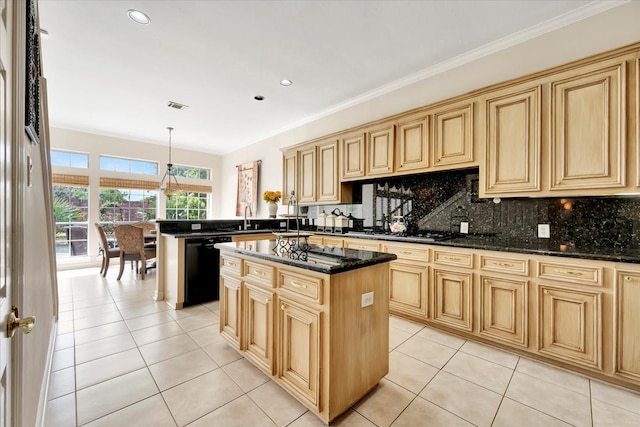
(70, 209)
(68, 159)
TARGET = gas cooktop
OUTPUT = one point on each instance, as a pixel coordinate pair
(431, 236)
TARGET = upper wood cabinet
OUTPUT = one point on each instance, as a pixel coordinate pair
(307, 175)
(512, 146)
(588, 128)
(453, 131)
(379, 150)
(328, 178)
(352, 158)
(412, 147)
(289, 174)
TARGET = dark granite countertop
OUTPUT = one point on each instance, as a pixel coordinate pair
(493, 243)
(212, 233)
(324, 259)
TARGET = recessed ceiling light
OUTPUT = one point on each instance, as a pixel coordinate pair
(259, 98)
(138, 17)
(286, 82)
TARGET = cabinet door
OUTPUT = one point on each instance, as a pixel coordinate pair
(452, 299)
(408, 289)
(512, 158)
(628, 324)
(352, 150)
(504, 309)
(588, 129)
(307, 174)
(299, 351)
(413, 145)
(259, 344)
(380, 147)
(289, 175)
(230, 309)
(453, 135)
(569, 325)
(328, 180)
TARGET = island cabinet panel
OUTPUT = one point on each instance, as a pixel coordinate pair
(453, 134)
(230, 309)
(570, 325)
(628, 324)
(413, 145)
(513, 137)
(299, 352)
(380, 145)
(504, 309)
(352, 148)
(259, 314)
(588, 128)
(452, 298)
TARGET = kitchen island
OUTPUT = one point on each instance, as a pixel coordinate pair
(319, 326)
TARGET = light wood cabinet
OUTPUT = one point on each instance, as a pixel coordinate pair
(289, 174)
(363, 244)
(570, 325)
(412, 148)
(408, 279)
(328, 169)
(299, 352)
(379, 150)
(627, 324)
(452, 298)
(588, 128)
(504, 310)
(259, 345)
(513, 139)
(230, 309)
(307, 192)
(352, 156)
(453, 134)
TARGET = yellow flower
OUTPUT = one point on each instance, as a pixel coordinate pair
(271, 196)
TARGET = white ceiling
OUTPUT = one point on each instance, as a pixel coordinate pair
(110, 76)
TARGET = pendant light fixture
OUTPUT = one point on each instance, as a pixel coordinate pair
(169, 184)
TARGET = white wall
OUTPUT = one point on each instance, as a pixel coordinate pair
(609, 30)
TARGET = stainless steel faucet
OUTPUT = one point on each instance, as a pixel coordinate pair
(246, 221)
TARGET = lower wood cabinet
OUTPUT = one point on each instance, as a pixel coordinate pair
(627, 289)
(259, 345)
(570, 325)
(504, 310)
(452, 298)
(299, 351)
(230, 313)
(408, 286)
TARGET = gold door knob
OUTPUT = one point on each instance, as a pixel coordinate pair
(14, 322)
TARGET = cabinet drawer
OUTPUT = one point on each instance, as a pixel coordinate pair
(362, 244)
(309, 288)
(570, 273)
(504, 265)
(412, 253)
(332, 241)
(459, 259)
(230, 265)
(258, 273)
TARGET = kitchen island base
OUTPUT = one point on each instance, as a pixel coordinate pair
(323, 337)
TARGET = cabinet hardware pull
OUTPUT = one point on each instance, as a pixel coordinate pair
(572, 273)
(546, 291)
(232, 264)
(297, 285)
(504, 264)
(451, 258)
(259, 273)
(283, 306)
(267, 301)
(405, 252)
(627, 278)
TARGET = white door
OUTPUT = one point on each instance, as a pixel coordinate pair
(27, 261)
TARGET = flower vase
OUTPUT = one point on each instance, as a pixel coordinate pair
(273, 209)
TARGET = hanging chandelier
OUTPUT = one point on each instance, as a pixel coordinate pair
(169, 184)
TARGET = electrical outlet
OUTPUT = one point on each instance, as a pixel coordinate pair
(464, 227)
(367, 299)
(544, 231)
(196, 226)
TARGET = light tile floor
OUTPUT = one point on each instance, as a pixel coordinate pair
(123, 359)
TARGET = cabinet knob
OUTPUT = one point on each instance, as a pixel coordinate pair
(283, 306)
(627, 278)
(546, 291)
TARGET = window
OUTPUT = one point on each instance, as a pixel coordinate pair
(117, 164)
(126, 205)
(70, 209)
(191, 172)
(185, 205)
(69, 159)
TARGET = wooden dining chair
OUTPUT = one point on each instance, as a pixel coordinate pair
(107, 252)
(131, 243)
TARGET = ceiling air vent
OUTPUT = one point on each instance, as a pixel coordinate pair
(176, 105)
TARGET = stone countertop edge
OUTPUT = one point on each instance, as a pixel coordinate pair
(205, 234)
(346, 259)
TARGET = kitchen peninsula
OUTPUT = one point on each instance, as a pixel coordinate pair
(318, 325)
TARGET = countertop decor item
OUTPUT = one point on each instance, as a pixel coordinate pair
(272, 198)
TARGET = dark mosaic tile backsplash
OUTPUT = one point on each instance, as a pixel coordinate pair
(440, 201)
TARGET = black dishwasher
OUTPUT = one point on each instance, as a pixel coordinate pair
(202, 270)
